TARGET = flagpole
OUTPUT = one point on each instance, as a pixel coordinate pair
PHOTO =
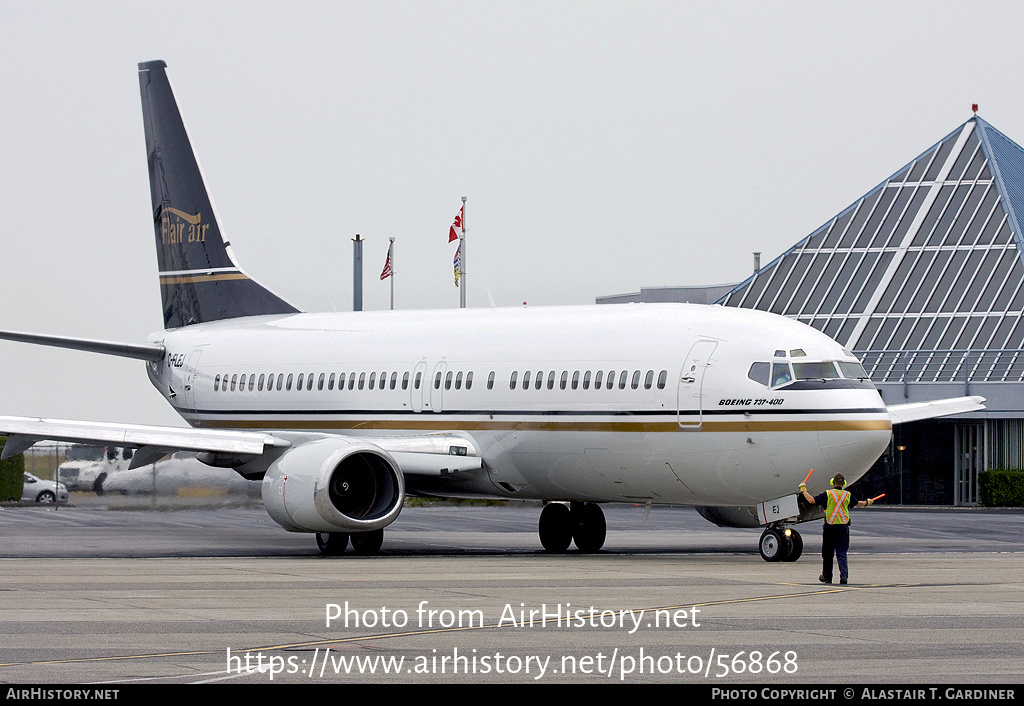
(462, 259)
(391, 249)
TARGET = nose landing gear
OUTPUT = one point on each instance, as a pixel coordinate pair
(780, 543)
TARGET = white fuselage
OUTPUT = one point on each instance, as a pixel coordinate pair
(682, 420)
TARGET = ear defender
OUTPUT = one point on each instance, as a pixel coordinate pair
(832, 481)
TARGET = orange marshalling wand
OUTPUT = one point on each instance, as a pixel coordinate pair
(876, 499)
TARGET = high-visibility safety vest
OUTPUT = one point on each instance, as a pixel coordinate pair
(837, 509)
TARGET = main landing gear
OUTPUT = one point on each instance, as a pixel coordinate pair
(363, 543)
(781, 543)
(582, 523)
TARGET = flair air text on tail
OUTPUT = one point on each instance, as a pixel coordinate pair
(341, 415)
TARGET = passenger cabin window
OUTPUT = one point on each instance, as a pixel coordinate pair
(490, 380)
(662, 379)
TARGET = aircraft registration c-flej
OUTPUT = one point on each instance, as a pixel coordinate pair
(341, 415)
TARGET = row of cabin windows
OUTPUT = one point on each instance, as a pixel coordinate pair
(353, 381)
(450, 379)
(304, 381)
(598, 380)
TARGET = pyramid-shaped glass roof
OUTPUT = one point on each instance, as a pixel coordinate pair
(923, 276)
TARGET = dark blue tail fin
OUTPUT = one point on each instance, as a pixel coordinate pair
(199, 279)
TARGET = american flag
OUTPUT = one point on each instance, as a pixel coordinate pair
(387, 265)
(457, 262)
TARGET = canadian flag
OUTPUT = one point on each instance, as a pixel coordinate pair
(456, 225)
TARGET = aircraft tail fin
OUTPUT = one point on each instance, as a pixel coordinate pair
(199, 278)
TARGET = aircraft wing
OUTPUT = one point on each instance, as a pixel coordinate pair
(152, 441)
(427, 454)
(914, 411)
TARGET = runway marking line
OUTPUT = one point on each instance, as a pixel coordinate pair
(363, 638)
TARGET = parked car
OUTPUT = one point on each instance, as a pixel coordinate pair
(38, 490)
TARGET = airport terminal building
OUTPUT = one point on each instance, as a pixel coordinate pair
(923, 279)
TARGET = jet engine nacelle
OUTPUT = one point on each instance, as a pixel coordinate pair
(334, 485)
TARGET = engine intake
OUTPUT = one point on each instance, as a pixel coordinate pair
(334, 485)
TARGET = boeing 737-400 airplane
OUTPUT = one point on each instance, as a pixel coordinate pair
(340, 415)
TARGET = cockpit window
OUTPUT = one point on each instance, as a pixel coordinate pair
(781, 374)
(797, 353)
(852, 370)
(825, 370)
(759, 372)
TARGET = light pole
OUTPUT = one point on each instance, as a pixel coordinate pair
(901, 449)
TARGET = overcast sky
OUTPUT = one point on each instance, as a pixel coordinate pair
(603, 146)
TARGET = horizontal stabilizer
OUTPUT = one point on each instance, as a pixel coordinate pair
(139, 351)
(915, 411)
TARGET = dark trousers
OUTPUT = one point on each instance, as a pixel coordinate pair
(835, 539)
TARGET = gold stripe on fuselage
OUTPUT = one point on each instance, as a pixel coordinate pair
(523, 425)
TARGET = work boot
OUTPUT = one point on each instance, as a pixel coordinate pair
(823, 579)
(842, 579)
